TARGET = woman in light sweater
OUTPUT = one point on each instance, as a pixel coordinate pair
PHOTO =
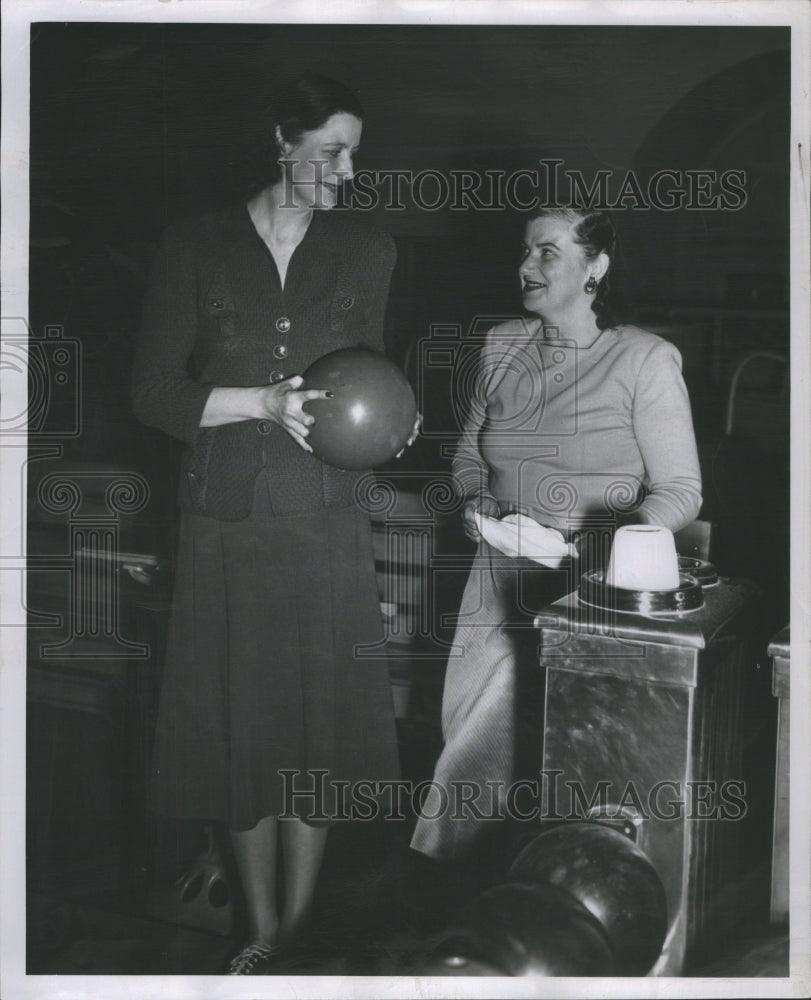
(582, 424)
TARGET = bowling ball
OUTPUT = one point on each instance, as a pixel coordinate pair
(612, 877)
(371, 415)
(522, 929)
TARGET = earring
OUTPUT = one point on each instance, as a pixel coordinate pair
(591, 285)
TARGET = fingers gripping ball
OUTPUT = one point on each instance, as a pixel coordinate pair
(371, 414)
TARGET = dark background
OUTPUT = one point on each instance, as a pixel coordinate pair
(133, 125)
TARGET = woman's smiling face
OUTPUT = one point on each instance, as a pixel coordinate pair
(321, 162)
(553, 267)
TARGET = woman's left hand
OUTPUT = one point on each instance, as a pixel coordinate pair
(414, 434)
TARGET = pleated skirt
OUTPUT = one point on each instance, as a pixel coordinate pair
(274, 682)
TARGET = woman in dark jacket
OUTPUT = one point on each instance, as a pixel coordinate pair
(275, 593)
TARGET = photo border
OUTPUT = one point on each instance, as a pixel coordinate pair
(17, 15)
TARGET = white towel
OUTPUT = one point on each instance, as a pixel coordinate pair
(518, 535)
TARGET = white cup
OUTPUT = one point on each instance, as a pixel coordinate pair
(643, 557)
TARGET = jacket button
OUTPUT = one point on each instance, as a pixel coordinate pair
(263, 426)
(276, 375)
(347, 302)
(217, 303)
(283, 324)
(280, 352)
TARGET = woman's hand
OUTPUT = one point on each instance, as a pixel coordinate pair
(282, 403)
(482, 505)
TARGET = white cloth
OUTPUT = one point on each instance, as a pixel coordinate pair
(518, 535)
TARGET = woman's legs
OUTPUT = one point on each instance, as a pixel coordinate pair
(303, 851)
(255, 852)
(256, 857)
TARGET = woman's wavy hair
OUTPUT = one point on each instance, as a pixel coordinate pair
(300, 106)
(594, 231)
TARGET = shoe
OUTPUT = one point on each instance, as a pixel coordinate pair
(253, 959)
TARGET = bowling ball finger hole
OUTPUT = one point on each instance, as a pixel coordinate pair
(218, 894)
(192, 889)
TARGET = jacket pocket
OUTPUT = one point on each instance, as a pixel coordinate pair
(218, 302)
(196, 469)
(221, 471)
(345, 309)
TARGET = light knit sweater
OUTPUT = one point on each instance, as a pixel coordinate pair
(572, 435)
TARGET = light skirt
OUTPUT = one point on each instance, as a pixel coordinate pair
(492, 705)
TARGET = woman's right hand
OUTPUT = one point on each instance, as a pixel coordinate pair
(282, 403)
(482, 505)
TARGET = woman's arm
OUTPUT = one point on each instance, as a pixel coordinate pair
(663, 426)
(165, 396)
(281, 403)
(470, 471)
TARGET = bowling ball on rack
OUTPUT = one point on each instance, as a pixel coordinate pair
(612, 877)
(371, 414)
(521, 929)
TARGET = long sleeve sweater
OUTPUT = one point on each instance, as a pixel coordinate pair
(569, 434)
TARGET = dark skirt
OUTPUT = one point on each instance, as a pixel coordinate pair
(273, 664)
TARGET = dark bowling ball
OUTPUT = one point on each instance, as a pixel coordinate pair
(612, 878)
(372, 412)
(522, 930)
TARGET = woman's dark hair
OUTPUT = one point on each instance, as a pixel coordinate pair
(300, 106)
(594, 231)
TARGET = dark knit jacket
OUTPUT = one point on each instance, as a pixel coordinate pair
(216, 315)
